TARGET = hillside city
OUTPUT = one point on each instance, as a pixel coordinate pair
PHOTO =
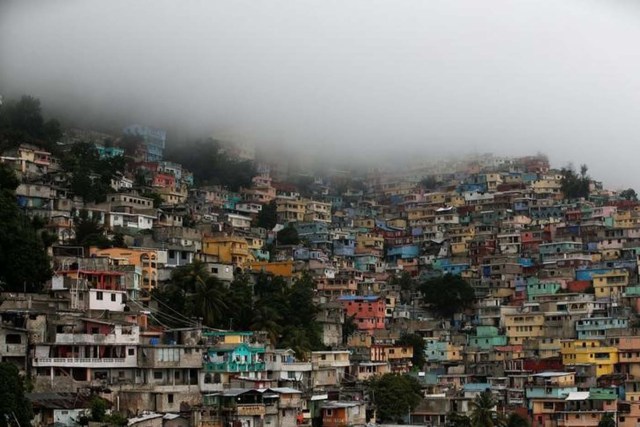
(146, 284)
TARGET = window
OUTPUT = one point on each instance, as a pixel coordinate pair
(157, 375)
(113, 297)
(99, 296)
(170, 398)
(13, 339)
(131, 351)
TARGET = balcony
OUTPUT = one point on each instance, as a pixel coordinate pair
(289, 366)
(97, 339)
(332, 363)
(234, 367)
(67, 362)
(14, 350)
(249, 410)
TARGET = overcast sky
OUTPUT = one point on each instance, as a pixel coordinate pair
(365, 77)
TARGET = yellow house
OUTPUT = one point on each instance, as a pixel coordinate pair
(277, 268)
(455, 200)
(624, 219)
(612, 283)
(522, 326)
(369, 241)
(317, 211)
(437, 198)
(255, 243)
(397, 223)
(173, 196)
(369, 223)
(591, 352)
(543, 347)
(228, 249)
(629, 358)
(290, 210)
(145, 259)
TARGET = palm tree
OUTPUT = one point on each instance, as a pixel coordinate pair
(483, 413)
(517, 420)
(607, 420)
(210, 300)
(267, 319)
(189, 276)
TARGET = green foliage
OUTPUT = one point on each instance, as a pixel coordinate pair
(447, 295)
(157, 198)
(115, 419)
(394, 396)
(22, 121)
(455, 419)
(90, 175)
(24, 263)
(13, 402)
(98, 408)
(575, 186)
(629, 194)
(349, 327)
(209, 301)
(89, 232)
(483, 413)
(517, 420)
(607, 420)
(429, 183)
(268, 217)
(417, 343)
(288, 236)
(211, 165)
(407, 285)
(286, 314)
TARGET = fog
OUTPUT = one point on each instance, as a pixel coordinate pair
(351, 79)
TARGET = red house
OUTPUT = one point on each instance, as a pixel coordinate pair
(368, 311)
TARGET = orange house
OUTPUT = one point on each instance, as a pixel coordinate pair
(146, 259)
(338, 414)
(277, 268)
(369, 312)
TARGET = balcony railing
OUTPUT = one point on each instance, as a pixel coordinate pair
(84, 362)
(234, 366)
(15, 349)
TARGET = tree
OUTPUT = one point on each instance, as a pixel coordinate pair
(607, 420)
(394, 396)
(575, 186)
(156, 197)
(483, 413)
(24, 264)
(629, 194)
(349, 327)
(429, 182)
(188, 277)
(517, 420)
(89, 232)
(209, 301)
(211, 164)
(288, 236)
(268, 218)
(447, 295)
(98, 408)
(14, 406)
(267, 319)
(455, 419)
(90, 175)
(417, 343)
(22, 121)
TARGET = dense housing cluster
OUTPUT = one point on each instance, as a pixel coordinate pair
(475, 275)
